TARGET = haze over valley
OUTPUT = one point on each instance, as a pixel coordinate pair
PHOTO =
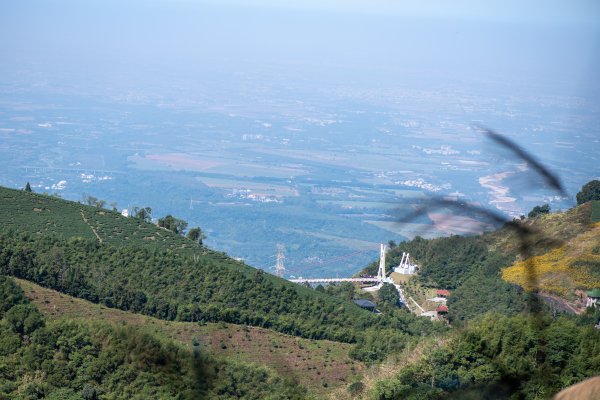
(299, 200)
(321, 145)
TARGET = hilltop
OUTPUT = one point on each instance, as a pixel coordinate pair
(45, 215)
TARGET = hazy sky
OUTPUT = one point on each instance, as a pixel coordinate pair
(551, 44)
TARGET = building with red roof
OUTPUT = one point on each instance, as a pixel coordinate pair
(442, 293)
(442, 309)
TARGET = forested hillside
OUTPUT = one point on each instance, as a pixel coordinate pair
(466, 266)
(175, 279)
(500, 357)
(320, 365)
(506, 345)
(64, 360)
(471, 267)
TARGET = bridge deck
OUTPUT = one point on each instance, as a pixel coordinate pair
(333, 280)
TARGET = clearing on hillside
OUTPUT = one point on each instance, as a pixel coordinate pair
(320, 365)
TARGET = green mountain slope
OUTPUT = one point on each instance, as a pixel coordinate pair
(508, 345)
(76, 359)
(52, 216)
(320, 365)
(51, 242)
(497, 357)
(471, 267)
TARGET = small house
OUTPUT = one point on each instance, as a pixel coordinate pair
(366, 304)
(441, 309)
(442, 293)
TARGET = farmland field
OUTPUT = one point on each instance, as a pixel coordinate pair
(323, 167)
(231, 184)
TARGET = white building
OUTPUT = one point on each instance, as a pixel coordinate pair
(593, 298)
(406, 267)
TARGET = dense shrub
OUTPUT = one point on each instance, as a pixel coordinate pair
(500, 357)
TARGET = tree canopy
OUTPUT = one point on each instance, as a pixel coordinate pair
(196, 235)
(539, 210)
(589, 191)
(187, 287)
(77, 359)
(94, 201)
(500, 357)
(173, 224)
(145, 213)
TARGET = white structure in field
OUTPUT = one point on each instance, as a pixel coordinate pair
(406, 267)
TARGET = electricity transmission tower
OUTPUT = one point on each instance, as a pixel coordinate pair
(279, 267)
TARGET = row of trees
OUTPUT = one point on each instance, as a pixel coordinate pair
(96, 202)
(169, 222)
(176, 225)
(179, 226)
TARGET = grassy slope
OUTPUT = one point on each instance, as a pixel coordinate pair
(562, 270)
(549, 231)
(322, 366)
(566, 253)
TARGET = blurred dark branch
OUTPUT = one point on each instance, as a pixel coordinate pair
(528, 236)
(551, 179)
(470, 210)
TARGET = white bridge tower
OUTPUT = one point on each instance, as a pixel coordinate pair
(378, 280)
(381, 270)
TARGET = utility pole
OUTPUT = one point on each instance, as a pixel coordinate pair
(279, 267)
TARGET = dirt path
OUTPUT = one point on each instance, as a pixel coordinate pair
(91, 227)
(560, 303)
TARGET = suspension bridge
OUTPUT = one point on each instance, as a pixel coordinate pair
(379, 278)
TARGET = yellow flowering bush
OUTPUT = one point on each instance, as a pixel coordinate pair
(558, 271)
